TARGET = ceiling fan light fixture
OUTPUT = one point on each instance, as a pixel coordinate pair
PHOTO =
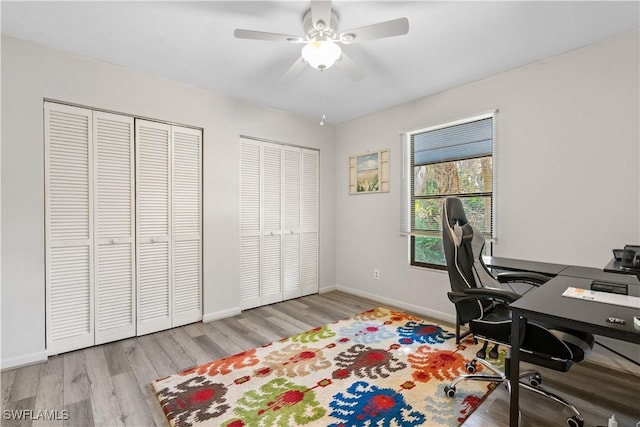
(321, 54)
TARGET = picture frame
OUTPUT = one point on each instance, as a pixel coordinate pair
(369, 172)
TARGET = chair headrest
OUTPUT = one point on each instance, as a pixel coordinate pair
(454, 212)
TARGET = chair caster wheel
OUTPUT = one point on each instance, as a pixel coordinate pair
(535, 381)
(470, 366)
(449, 391)
(575, 421)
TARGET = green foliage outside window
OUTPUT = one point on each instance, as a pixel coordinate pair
(428, 250)
(468, 179)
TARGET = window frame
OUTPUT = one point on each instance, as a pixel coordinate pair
(409, 198)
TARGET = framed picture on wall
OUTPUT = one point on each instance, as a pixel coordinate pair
(369, 172)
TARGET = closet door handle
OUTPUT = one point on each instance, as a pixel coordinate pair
(115, 241)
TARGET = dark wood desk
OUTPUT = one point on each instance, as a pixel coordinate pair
(546, 303)
(513, 264)
(597, 274)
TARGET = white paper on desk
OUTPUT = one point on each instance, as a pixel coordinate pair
(605, 297)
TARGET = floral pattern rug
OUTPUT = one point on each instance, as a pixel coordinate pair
(378, 368)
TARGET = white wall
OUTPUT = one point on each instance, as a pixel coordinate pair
(566, 121)
(31, 73)
(569, 181)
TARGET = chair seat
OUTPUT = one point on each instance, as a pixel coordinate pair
(561, 347)
(495, 325)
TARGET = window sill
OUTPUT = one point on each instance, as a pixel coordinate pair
(428, 269)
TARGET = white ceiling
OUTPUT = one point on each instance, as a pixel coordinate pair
(449, 44)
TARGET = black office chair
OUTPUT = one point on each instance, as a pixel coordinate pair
(482, 303)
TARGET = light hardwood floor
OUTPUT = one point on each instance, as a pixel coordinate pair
(109, 385)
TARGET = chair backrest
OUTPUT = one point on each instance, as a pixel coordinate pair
(463, 246)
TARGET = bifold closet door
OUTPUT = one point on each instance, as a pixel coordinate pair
(69, 227)
(261, 237)
(123, 226)
(169, 225)
(153, 226)
(310, 224)
(115, 297)
(278, 222)
(291, 222)
(89, 226)
(186, 200)
(271, 269)
(250, 220)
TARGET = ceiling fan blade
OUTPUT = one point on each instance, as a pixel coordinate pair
(271, 37)
(351, 68)
(293, 71)
(321, 11)
(395, 27)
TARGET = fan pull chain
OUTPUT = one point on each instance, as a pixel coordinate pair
(324, 98)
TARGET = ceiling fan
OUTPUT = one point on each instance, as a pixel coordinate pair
(322, 39)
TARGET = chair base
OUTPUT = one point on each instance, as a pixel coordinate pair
(529, 380)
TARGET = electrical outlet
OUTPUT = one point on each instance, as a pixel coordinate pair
(376, 273)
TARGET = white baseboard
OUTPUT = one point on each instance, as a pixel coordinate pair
(222, 314)
(24, 360)
(434, 314)
(326, 289)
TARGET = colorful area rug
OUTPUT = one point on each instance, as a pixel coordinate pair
(379, 368)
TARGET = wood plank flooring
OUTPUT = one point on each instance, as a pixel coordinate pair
(109, 385)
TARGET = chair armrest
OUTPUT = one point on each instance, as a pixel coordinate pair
(484, 293)
(536, 279)
(493, 293)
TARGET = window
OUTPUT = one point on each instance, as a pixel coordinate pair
(454, 159)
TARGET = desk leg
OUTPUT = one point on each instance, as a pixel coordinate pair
(514, 368)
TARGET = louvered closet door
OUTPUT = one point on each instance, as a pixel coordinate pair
(271, 289)
(291, 195)
(250, 209)
(153, 226)
(115, 301)
(69, 228)
(310, 236)
(186, 196)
